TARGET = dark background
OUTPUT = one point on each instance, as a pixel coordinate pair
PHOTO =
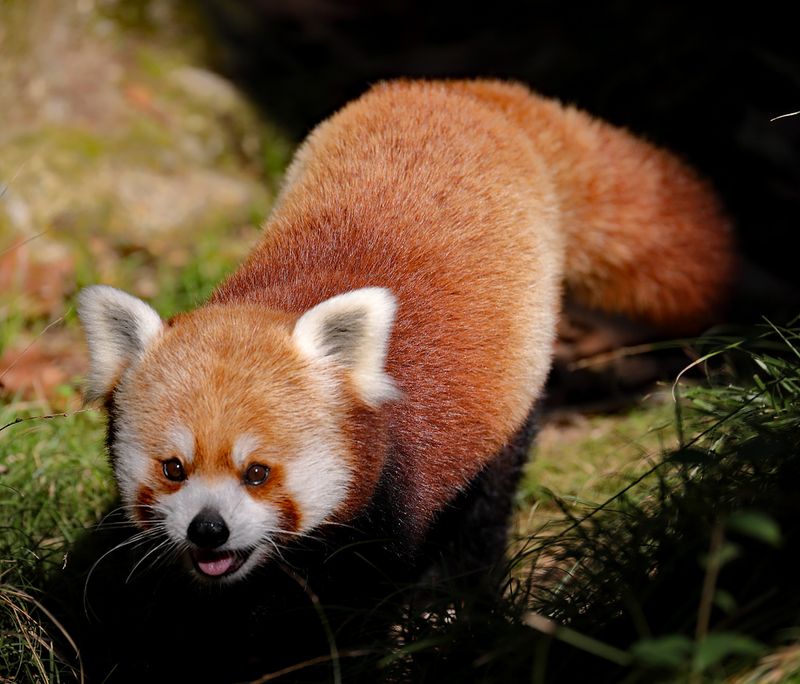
(701, 79)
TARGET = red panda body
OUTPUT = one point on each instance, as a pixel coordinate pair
(392, 193)
(395, 325)
(440, 193)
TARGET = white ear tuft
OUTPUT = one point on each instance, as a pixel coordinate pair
(353, 330)
(118, 328)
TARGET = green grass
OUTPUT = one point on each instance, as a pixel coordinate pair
(590, 457)
(55, 483)
(686, 574)
(651, 550)
(55, 472)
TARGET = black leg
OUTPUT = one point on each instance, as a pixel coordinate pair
(471, 535)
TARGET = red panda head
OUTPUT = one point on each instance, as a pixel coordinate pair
(235, 428)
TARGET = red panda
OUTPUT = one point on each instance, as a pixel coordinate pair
(394, 327)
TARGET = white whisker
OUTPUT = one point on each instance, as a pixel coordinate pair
(155, 549)
(132, 541)
(276, 547)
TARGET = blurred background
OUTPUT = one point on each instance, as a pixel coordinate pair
(145, 138)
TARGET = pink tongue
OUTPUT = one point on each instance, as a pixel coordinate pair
(217, 566)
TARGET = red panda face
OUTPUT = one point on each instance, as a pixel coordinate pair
(228, 430)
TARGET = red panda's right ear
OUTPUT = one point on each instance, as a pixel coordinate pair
(352, 330)
(118, 328)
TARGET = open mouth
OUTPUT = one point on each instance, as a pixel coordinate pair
(217, 563)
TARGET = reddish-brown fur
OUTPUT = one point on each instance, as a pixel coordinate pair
(145, 498)
(471, 202)
(646, 236)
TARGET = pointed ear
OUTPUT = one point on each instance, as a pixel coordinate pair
(118, 329)
(353, 330)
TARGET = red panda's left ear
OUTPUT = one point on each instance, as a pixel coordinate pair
(352, 330)
(118, 328)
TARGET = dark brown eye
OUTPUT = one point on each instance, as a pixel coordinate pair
(256, 474)
(173, 470)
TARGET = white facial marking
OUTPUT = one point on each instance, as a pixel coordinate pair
(243, 447)
(353, 329)
(131, 462)
(253, 525)
(318, 480)
(183, 439)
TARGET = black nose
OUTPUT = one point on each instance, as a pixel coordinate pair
(208, 530)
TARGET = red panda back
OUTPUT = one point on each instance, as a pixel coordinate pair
(465, 200)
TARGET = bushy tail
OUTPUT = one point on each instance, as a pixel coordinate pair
(646, 237)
